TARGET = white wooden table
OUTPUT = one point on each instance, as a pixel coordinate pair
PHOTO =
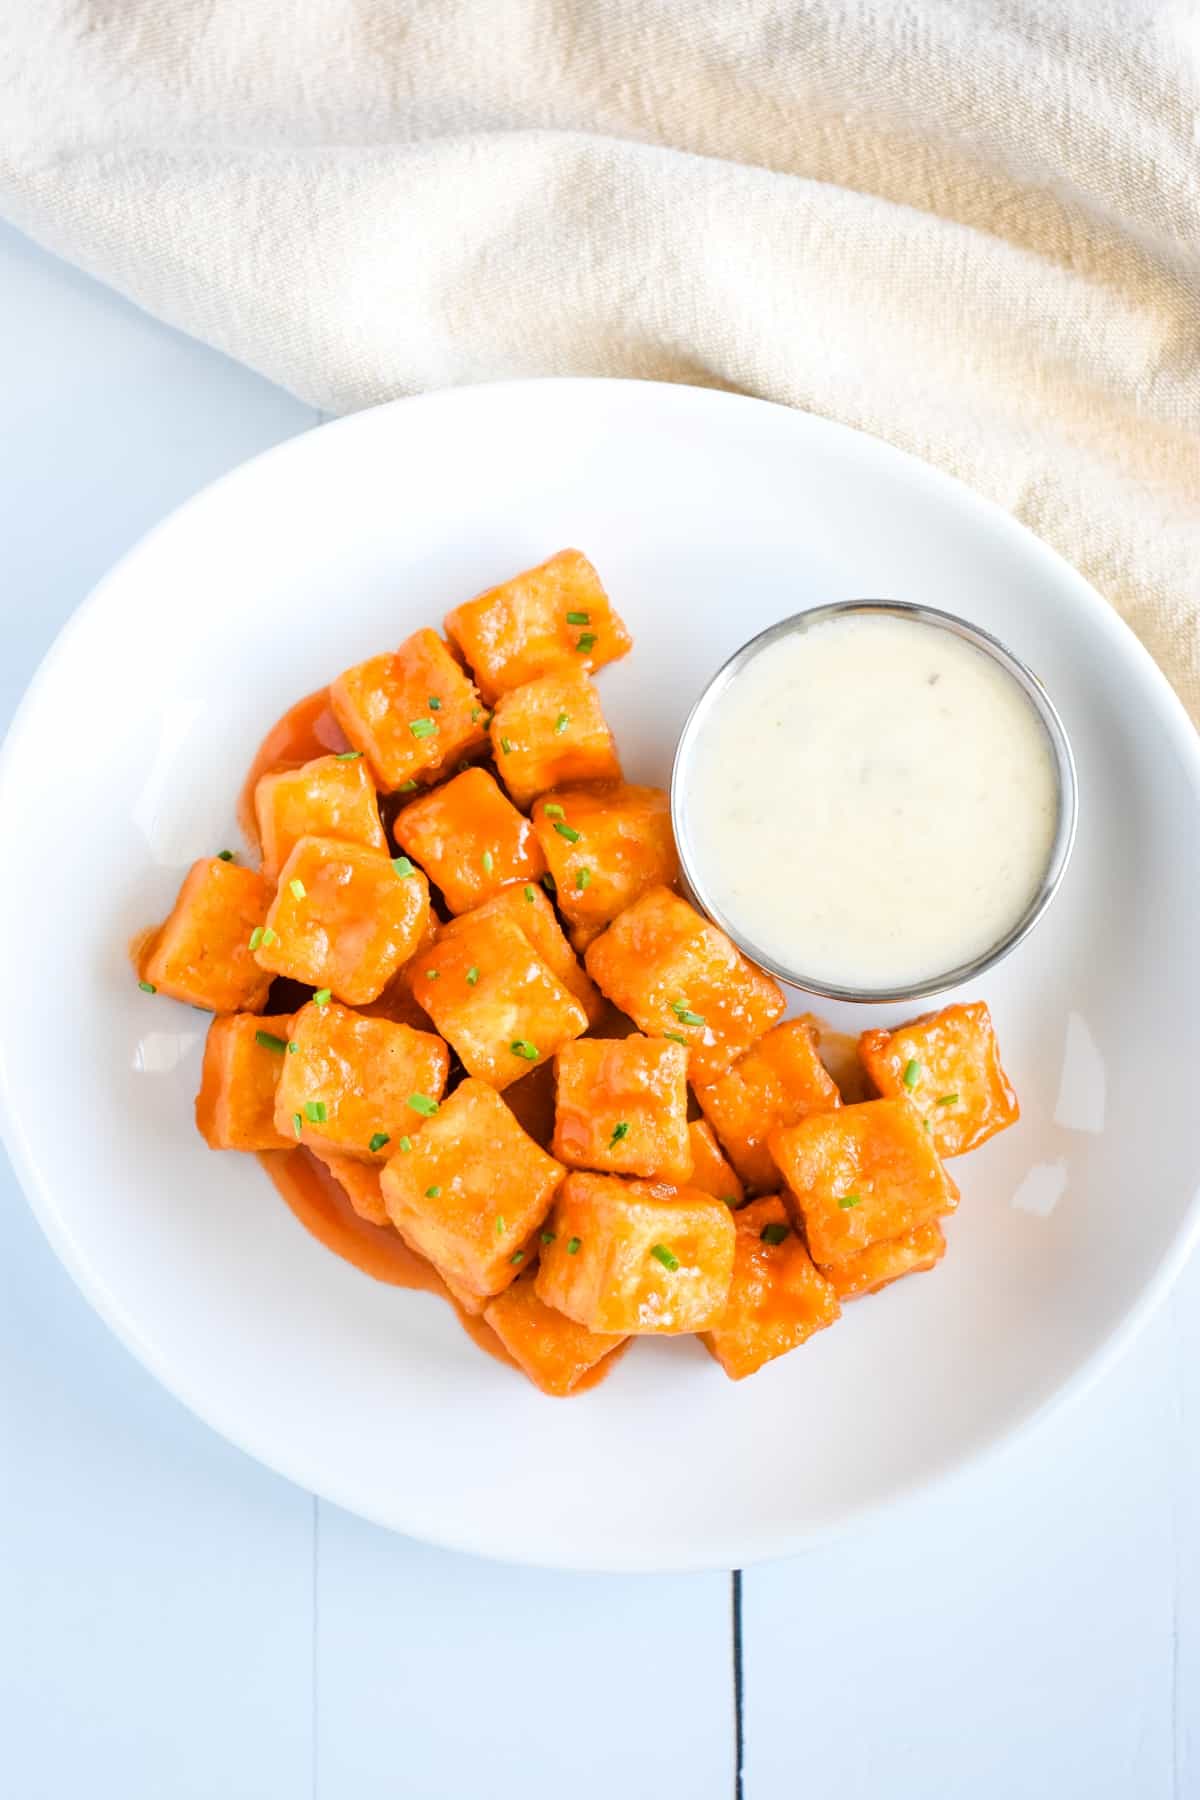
(176, 1622)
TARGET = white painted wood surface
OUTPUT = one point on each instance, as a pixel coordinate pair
(176, 1622)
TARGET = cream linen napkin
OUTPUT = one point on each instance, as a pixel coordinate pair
(969, 226)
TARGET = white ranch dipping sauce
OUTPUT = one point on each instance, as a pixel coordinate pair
(872, 802)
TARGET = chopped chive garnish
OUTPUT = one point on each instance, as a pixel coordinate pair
(314, 1111)
(475, 712)
(322, 997)
(517, 1256)
(677, 1037)
(405, 1143)
(421, 1103)
(293, 1049)
(407, 787)
(566, 831)
(947, 1100)
(549, 883)
(928, 1124)
(256, 937)
(147, 987)
(912, 1074)
(506, 746)
(472, 975)
(579, 618)
(403, 866)
(348, 755)
(297, 1124)
(573, 1245)
(846, 1201)
(435, 704)
(269, 1041)
(553, 812)
(561, 723)
(548, 1237)
(269, 937)
(487, 862)
(729, 1200)
(499, 1224)
(522, 1047)
(666, 1257)
(582, 877)
(422, 728)
(679, 1008)
(774, 1234)
(619, 1131)
(378, 1141)
(299, 891)
(224, 855)
(432, 974)
(586, 641)
(433, 1192)
(529, 895)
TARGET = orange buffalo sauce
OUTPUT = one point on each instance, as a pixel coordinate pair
(305, 731)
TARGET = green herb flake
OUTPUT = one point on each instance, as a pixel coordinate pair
(378, 1141)
(224, 855)
(549, 883)
(256, 937)
(314, 1112)
(405, 1144)
(579, 618)
(585, 642)
(911, 1075)
(147, 987)
(561, 723)
(666, 1257)
(548, 1237)
(582, 877)
(348, 755)
(529, 894)
(573, 1246)
(407, 787)
(422, 728)
(472, 975)
(947, 1100)
(553, 811)
(269, 1041)
(298, 889)
(269, 937)
(619, 1131)
(435, 704)
(846, 1201)
(685, 1017)
(676, 1037)
(774, 1234)
(322, 997)
(432, 974)
(487, 862)
(522, 1047)
(475, 712)
(518, 1256)
(500, 1225)
(293, 1049)
(403, 867)
(433, 1192)
(297, 1124)
(506, 746)
(421, 1103)
(566, 831)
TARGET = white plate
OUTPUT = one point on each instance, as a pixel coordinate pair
(708, 516)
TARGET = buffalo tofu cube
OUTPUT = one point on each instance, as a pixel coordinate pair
(412, 712)
(859, 1175)
(947, 1065)
(778, 1082)
(344, 918)
(679, 976)
(359, 1182)
(551, 732)
(712, 1172)
(331, 797)
(777, 1297)
(473, 1191)
(243, 1057)
(201, 952)
(526, 906)
(554, 1351)
(470, 840)
(636, 1256)
(877, 1265)
(491, 995)
(356, 1086)
(617, 843)
(621, 1107)
(554, 617)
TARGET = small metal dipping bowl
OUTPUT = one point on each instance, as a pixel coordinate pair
(1065, 777)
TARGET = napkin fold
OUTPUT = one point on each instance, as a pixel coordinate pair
(971, 227)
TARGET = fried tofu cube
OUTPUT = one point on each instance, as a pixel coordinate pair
(554, 1351)
(397, 1001)
(549, 733)
(617, 844)
(777, 1299)
(679, 976)
(712, 1172)
(330, 797)
(473, 1191)
(859, 1175)
(493, 997)
(777, 1082)
(879, 1264)
(355, 1085)
(947, 1065)
(470, 840)
(621, 1107)
(551, 618)
(235, 1108)
(527, 907)
(344, 918)
(201, 953)
(360, 1183)
(636, 1256)
(412, 712)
